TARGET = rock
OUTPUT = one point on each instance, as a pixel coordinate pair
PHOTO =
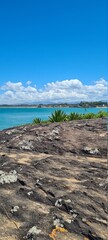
(101, 220)
(55, 131)
(38, 182)
(58, 222)
(72, 136)
(26, 145)
(69, 221)
(14, 209)
(84, 220)
(58, 203)
(1, 172)
(11, 131)
(29, 193)
(10, 177)
(68, 201)
(90, 150)
(64, 188)
(74, 215)
(33, 231)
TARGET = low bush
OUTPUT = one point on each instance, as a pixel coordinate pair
(88, 116)
(37, 120)
(101, 114)
(74, 116)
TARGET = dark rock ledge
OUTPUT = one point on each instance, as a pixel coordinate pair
(53, 181)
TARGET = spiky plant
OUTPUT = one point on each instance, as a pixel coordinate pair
(89, 116)
(37, 120)
(74, 116)
(58, 116)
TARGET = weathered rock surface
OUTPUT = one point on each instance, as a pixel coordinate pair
(53, 181)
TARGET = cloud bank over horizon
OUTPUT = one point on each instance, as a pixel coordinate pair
(54, 92)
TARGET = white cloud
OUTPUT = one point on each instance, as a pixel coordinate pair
(12, 86)
(65, 84)
(28, 82)
(59, 91)
(30, 89)
(9, 94)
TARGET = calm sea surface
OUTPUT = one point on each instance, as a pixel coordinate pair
(10, 117)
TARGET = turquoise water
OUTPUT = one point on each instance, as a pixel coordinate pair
(10, 117)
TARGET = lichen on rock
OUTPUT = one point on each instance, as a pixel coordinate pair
(10, 177)
(33, 231)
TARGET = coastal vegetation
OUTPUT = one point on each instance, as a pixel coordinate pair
(60, 116)
(37, 120)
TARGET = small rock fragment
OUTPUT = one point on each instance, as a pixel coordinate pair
(14, 209)
(101, 221)
(57, 223)
(58, 203)
(90, 150)
(26, 145)
(74, 215)
(38, 182)
(68, 201)
(29, 193)
(84, 219)
(69, 221)
(33, 232)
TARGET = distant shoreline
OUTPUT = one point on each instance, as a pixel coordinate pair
(51, 106)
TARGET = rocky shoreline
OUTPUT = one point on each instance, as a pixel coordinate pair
(53, 181)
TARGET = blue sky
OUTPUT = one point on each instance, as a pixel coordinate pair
(47, 42)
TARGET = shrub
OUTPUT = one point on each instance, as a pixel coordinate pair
(88, 116)
(58, 116)
(37, 120)
(74, 116)
(101, 114)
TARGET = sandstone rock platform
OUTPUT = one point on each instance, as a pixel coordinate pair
(53, 181)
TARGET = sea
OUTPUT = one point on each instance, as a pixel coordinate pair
(17, 116)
